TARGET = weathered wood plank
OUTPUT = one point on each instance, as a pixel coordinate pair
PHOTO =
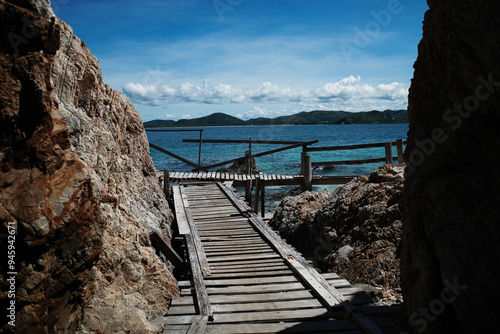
(271, 255)
(198, 325)
(331, 300)
(182, 223)
(199, 283)
(198, 247)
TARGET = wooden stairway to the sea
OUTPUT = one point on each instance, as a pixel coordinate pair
(245, 279)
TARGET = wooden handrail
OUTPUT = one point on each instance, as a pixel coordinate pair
(350, 162)
(173, 155)
(348, 147)
(299, 144)
(230, 141)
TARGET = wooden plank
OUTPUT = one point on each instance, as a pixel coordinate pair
(256, 288)
(233, 248)
(249, 298)
(236, 252)
(198, 247)
(345, 147)
(267, 306)
(348, 162)
(198, 325)
(317, 313)
(251, 307)
(216, 272)
(182, 223)
(271, 255)
(163, 246)
(260, 273)
(249, 264)
(251, 281)
(199, 283)
(330, 299)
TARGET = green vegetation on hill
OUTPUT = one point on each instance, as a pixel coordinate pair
(302, 118)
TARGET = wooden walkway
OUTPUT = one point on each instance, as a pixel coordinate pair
(240, 179)
(245, 279)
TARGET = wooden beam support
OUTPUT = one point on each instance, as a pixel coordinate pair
(256, 198)
(307, 171)
(388, 153)
(164, 247)
(263, 199)
(400, 149)
(173, 155)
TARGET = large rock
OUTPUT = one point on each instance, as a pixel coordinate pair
(354, 232)
(451, 230)
(77, 185)
(293, 213)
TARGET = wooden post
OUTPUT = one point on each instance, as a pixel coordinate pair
(399, 146)
(199, 151)
(388, 153)
(248, 184)
(166, 183)
(262, 199)
(250, 145)
(256, 198)
(307, 170)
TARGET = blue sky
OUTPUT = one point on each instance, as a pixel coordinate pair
(251, 58)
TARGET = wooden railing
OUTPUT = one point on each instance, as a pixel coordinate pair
(306, 172)
(307, 164)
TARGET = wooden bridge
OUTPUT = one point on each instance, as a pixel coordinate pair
(259, 181)
(245, 279)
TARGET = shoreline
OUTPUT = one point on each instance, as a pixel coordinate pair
(255, 125)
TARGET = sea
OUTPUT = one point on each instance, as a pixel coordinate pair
(285, 162)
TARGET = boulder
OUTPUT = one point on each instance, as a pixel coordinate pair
(449, 258)
(354, 232)
(78, 188)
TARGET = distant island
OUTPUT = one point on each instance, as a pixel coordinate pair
(302, 118)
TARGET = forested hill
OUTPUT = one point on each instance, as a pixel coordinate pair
(302, 118)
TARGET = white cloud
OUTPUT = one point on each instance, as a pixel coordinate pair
(347, 94)
(186, 116)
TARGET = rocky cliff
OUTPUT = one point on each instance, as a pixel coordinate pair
(354, 232)
(451, 230)
(77, 187)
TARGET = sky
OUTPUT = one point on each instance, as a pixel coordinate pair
(251, 58)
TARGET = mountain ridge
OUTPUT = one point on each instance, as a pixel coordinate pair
(302, 118)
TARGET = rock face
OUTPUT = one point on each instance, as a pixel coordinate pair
(77, 186)
(354, 232)
(294, 215)
(449, 258)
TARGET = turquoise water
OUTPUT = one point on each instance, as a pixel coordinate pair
(286, 162)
